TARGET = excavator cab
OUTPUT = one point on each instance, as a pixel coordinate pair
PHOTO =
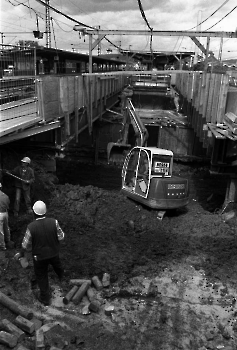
(147, 178)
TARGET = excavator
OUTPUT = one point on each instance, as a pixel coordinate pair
(147, 171)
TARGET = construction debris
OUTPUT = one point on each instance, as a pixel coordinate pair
(108, 309)
(94, 306)
(227, 129)
(11, 328)
(39, 339)
(106, 280)
(97, 283)
(24, 324)
(15, 307)
(70, 294)
(80, 293)
(79, 282)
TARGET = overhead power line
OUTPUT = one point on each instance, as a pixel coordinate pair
(143, 14)
(66, 31)
(145, 19)
(210, 15)
(222, 18)
(71, 19)
(63, 14)
(21, 3)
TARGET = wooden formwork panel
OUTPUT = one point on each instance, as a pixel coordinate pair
(178, 81)
(197, 101)
(195, 90)
(179, 140)
(216, 96)
(223, 98)
(202, 91)
(185, 85)
(206, 94)
(212, 82)
(190, 86)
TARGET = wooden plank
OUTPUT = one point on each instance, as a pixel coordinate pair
(216, 133)
(231, 117)
(185, 84)
(196, 90)
(216, 97)
(204, 104)
(202, 92)
(192, 84)
(195, 94)
(189, 87)
(223, 98)
(231, 126)
(210, 97)
(200, 120)
(206, 93)
(198, 101)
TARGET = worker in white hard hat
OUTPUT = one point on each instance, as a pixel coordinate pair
(23, 184)
(4, 227)
(43, 237)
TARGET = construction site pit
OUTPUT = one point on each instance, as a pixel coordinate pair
(172, 282)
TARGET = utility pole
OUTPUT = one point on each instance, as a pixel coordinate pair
(99, 45)
(48, 30)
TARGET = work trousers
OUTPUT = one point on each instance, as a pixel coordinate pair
(41, 274)
(26, 194)
(4, 230)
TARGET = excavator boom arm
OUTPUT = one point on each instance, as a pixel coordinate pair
(140, 129)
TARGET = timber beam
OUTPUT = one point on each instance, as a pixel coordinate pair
(84, 30)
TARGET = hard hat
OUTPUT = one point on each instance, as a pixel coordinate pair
(26, 160)
(0, 184)
(39, 208)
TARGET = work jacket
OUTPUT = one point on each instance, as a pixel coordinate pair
(4, 202)
(25, 174)
(44, 238)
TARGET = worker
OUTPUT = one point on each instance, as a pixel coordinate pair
(42, 238)
(4, 227)
(23, 185)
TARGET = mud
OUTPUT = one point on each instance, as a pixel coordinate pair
(173, 282)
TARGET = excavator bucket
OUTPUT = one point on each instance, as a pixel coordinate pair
(116, 152)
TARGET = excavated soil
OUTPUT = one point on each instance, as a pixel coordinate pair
(173, 283)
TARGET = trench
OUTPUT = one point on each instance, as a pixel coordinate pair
(167, 299)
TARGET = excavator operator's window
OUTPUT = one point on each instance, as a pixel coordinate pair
(130, 177)
(161, 165)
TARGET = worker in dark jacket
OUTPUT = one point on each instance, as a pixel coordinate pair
(4, 227)
(26, 173)
(43, 238)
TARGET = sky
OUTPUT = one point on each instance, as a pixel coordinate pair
(19, 19)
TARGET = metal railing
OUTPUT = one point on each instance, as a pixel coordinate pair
(17, 81)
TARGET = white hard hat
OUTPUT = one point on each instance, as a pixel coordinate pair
(26, 160)
(39, 208)
(0, 184)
